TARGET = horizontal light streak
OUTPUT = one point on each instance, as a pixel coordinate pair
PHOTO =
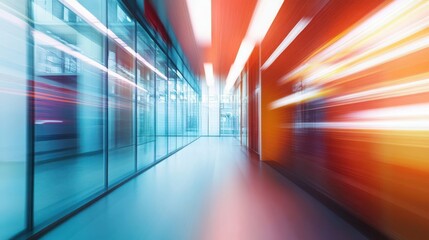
(297, 29)
(409, 111)
(47, 40)
(83, 13)
(295, 98)
(403, 89)
(200, 13)
(402, 51)
(41, 122)
(402, 118)
(398, 125)
(369, 27)
(394, 23)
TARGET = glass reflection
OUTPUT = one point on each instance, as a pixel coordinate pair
(121, 94)
(172, 108)
(180, 111)
(13, 99)
(161, 106)
(94, 114)
(145, 101)
(68, 109)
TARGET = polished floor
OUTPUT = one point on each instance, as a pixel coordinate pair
(213, 189)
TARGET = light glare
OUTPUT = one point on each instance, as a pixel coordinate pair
(200, 12)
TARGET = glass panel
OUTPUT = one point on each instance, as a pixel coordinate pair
(214, 109)
(244, 111)
(228, 115)
(161, 106)
(180, 111)
(13, 120)
(145, 101)
(121, 94)
(186, 112)
(194, 118)
(69, 77)
(172, 109)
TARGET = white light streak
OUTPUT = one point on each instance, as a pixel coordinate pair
(294, 98)
(416, 111)
(403, 89)
(42, 38)
(398, 125)
(83, 13)
(263, 16)
(386, 22)
(286, 41)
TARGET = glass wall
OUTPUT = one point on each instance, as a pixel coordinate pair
(94, 101)
(145, 100)
(172, 108)
(121, 93)
(161, 105)
(69, 108)
(180, 111)
(13, 120)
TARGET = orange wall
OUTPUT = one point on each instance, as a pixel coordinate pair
(378, 173)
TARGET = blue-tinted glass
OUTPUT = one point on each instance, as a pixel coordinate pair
(161, 106)
(172, 109)
(180, 111)
(13, 133)
(69, 109)
(121, 93)
(145, 100)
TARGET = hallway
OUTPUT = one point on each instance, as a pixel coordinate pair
(212, 189)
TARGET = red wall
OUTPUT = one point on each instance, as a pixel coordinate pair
(380, 175)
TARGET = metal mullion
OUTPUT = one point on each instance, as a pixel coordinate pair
(155, 101)
(106, 104)
(31, 105)
(135, 99)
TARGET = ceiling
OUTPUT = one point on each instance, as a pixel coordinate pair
(231, 18)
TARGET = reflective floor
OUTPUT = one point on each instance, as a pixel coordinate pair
(213, 189)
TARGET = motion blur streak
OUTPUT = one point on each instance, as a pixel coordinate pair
(403, 89)
(288, 40)
(262, 18)
(350, 115)
(295, 98)
(393, 24)
(82, 12)
(45, 39)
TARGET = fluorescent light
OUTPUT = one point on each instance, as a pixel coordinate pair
(208, 68)
(287, 41)
(263, 16)
(243, 54)
(200, 12)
